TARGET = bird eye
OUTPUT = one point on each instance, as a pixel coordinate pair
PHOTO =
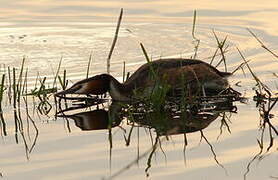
(79, 86)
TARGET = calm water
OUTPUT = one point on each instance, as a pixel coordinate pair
(45, 31)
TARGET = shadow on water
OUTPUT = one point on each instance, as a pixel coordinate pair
(165, 122)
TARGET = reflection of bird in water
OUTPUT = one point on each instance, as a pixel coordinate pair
(92, 120)
(175, 74)
(164, 122)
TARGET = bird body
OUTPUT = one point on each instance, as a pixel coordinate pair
(175, 73)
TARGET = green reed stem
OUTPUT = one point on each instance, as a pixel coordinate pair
(63, 82)
(114, 41)
(25, 83)
(145, 53)
(148, 59)
(42, 87)
(160, 89)
(194, 24)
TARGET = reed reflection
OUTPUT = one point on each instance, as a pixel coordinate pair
(168, 121)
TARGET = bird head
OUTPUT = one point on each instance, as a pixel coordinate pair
(95, 85)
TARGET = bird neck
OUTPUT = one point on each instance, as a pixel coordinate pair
(118, 91)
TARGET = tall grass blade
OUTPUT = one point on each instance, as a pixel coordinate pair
(260, 84)
(63, 82)
(194, 24)
(193, 35)
(19, 84)
(114, 41)
(88, 67)
(57, 72)
(145, 53)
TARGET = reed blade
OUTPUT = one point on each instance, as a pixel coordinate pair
(114, 41)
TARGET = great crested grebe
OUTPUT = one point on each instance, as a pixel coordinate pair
(190, 74)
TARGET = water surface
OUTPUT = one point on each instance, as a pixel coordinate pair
(46, 31)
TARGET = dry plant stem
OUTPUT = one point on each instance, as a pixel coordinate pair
(10, 86)
(88, 67)
(214, 55)
(114, 41)
(250, 70)
(222, 49)
(124, 72)
(262, 44)
(261, 88)
(240, 66)
(154, 74)
(193, 35)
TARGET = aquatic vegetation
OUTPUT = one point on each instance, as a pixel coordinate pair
(114, 40)
(265, 102)
(196, 40)
(158, 114)
(165, 122)
(262, 44)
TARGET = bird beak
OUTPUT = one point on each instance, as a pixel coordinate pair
(71, 90)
